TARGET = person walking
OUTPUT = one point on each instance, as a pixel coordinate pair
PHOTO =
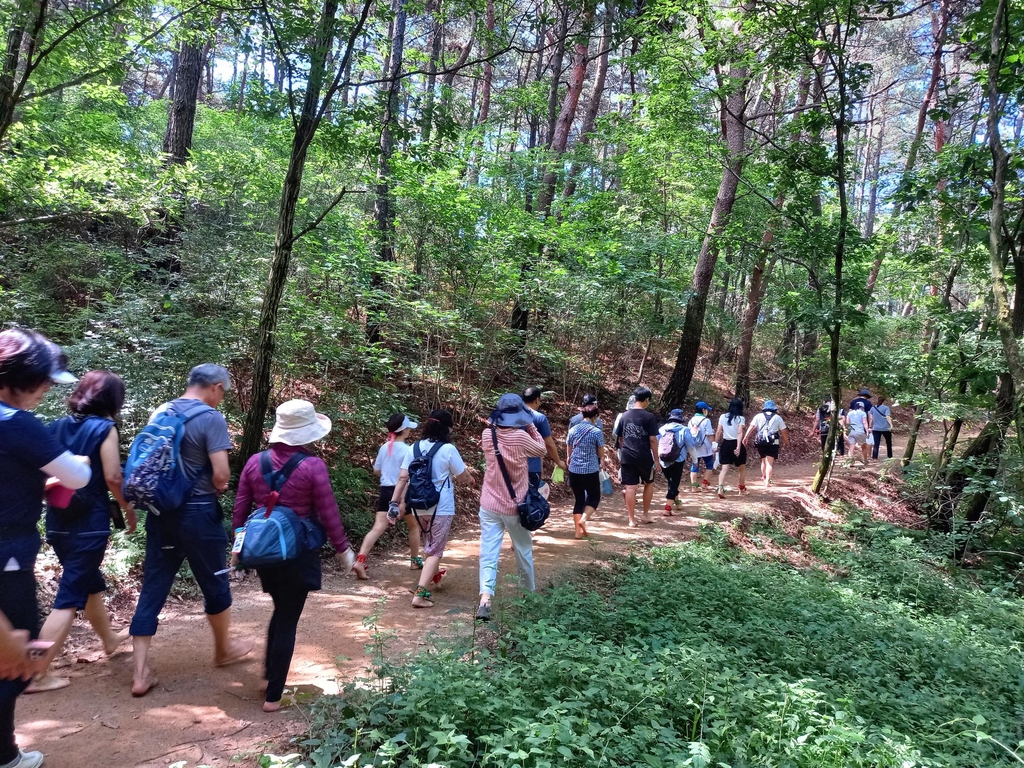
(585, 454)
(863, 399)
(638, 430)
(446, 469)
(703, 432)
(858, 426)
(770, 431)
(820, 425)
(79, 532)
(307, 492)
(511, 431)
(531, 396)
(881, 427)
(682, 446)
(588, 400)
(29, 365)
(195, 532)
(731, 450)
(388, 466)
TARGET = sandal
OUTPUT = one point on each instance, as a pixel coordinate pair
(416, 563)
(668, 509)
(422, 599)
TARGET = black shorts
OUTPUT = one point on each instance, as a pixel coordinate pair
(727, 453)
(635, 474)
(384, 498)
(770, 451)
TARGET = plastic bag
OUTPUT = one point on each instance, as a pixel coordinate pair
(606, 484)
(558, 476)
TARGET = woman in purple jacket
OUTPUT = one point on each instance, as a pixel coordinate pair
(308, 493)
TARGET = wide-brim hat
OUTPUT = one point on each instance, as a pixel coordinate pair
(511, 412)
(677, 415)
(866, 392)
(298, 423)
(769, 405)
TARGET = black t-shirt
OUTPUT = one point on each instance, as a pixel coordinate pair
(863, 401)
(636, 428)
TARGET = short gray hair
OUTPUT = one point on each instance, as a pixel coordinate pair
(209, 375)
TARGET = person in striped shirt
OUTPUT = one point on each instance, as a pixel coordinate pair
(585, 444)
(512, 427)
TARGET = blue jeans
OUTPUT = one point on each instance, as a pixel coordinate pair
(492, 533)
(195, 534)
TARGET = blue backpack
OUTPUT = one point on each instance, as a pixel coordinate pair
(275, 534)
(154, 474)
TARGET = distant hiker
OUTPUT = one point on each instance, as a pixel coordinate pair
(858, 425)
(588, 400)
(532, 399)
(638, 430)
(387, 466)
(703, 433)
(616, 434)
(674, 447)
(193, 532)
(78, 531)
(513, 430)
(29, 365)
(863, 399)
(731, 450)
(769, 431)
(306, 491)
(881, 427)
(820, 425)
(426, 486)
(585, 447)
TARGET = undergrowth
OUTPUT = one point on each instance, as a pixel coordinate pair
(702, 656)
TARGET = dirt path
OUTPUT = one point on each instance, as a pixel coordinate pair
(206, 716)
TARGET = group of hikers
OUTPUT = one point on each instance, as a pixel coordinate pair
(285, 508)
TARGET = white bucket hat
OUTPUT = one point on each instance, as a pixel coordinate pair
(298, 423)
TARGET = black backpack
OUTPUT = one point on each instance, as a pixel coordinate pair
(422, 495)
(534, 509)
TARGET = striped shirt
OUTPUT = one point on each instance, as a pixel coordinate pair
(516, 446)
(583, 439)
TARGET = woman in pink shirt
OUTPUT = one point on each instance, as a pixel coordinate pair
(307, 492)
(512, 427)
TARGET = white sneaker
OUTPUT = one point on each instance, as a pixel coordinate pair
(25, 760)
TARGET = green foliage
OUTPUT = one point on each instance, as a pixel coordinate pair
(698, 656)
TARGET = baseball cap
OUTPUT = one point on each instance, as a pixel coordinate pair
(701, 406)
(59, 366)
(866, 393)
(590, 399)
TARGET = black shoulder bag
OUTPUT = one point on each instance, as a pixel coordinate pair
(534, 509)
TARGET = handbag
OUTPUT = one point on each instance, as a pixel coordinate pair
(534, 509)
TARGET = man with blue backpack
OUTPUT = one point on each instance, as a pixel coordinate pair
(674, 448)
(176, 468)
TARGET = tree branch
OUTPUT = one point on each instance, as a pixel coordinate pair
(323, 215)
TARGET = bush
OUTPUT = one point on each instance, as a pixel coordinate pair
(698, 657)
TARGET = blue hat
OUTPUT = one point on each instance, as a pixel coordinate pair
(676, 414)
(866, 392)
(702, 406)
(511, 412)
(769, 405)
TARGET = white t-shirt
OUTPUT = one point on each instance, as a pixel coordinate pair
(731, 431)
(390, 466)
(446, 464)
(701, 424)
(776, 424)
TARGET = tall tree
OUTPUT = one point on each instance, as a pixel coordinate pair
(181, 113)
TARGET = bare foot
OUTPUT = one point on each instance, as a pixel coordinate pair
(646, 520)
(271, 706)
(142, 686)
(114, 642)
(237, 650)
(360, 571)
(422, 602)
(47, 683)
(632, 524)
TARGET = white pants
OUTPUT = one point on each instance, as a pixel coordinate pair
(492, 534)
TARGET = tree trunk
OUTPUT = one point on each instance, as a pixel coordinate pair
(310, 116)
(27, 24)
(940, 27)
(557, 58)
(181, 115)
(436, 37)
(734, 130)
(485, 94)
(566, 116)
(594, 105)
(383, 209)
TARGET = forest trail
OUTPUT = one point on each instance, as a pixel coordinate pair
(199, 715)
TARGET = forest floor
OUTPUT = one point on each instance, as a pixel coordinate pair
(200, 715)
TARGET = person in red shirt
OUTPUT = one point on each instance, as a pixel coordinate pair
(307, 493)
